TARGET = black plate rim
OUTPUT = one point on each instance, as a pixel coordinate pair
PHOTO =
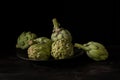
(22, 54)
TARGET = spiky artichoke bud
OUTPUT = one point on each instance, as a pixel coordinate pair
(39, 51)
(94, 50)
(62, 49)
(59, 32)
(41, 40)
(24, 38)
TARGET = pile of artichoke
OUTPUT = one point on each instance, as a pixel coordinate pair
(59, 46)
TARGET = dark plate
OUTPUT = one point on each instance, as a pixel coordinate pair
(22, 54)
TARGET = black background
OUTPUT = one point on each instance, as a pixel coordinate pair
(86, 20)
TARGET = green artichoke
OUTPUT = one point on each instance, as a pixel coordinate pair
(41, 40)
(60, 33)
(24, 38)
(39, 51)
(94, 50)
(62, 49)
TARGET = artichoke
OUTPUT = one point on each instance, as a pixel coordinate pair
(60, 33)
(39, 51)
(94, 50)
(41, 40)
(62, 49)
(24, 38)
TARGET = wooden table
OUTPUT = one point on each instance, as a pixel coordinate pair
(13, 68)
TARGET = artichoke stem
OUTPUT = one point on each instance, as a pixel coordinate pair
(55, 23)
(80, 46)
